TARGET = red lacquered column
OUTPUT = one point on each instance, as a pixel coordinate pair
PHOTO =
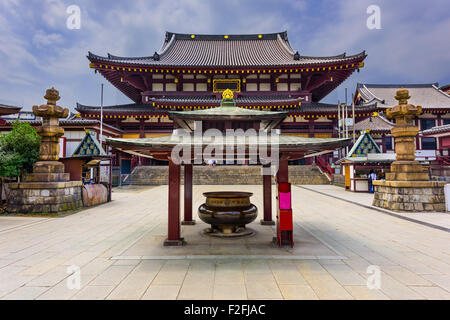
(188, 195)
(267, 199)
(173, 238)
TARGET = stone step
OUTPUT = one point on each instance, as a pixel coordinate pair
(224, 175)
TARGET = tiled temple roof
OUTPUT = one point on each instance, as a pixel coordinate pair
(427, 95)
(5, 109)
(377, 123)
(437, 130)
(264, 99)
(305, 107)
(70, 122)
(252, 50)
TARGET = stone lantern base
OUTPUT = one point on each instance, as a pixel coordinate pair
(410, 195)
(46, 190)
(44, 197)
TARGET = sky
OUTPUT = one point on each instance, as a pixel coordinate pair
(38, 50)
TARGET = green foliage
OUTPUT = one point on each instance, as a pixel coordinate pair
(19, 149)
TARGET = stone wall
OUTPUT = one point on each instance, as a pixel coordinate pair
(339, 180)
(410, 199)
(225, 175)
(44, 197)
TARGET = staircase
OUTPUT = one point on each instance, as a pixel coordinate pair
(325, 168)
(224, 175)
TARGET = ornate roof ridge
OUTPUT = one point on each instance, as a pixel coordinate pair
(111, 56)
(216, 37)
(401, 85)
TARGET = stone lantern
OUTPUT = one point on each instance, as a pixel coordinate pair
(407, 187)
(48, 189)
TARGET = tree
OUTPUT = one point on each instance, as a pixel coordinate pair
(19, 150)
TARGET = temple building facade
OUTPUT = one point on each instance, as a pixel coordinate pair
(191, 71)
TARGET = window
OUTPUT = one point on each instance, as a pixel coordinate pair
(188, 87)
(446, 121)
(427, 124)
(264, 87)
(428, 143)
(388, 142)
(323, 127)
(202, 87)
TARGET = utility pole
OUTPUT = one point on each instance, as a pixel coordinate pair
(339, 118)
(353, 117)
(101, 116)
(346, 116)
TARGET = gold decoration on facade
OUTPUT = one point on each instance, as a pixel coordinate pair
(227, 94)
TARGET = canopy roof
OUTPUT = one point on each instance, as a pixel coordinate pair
(299, 147)
(89, 146)
(226, 112)
(250, 50)
(363, 146)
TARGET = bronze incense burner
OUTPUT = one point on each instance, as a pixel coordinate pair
(228, 212)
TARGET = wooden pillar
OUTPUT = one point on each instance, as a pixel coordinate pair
(267, 199)
(173, 238)
(283, 171)
(188, 195)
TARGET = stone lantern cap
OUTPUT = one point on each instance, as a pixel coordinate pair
(403, 109)
(50, 109)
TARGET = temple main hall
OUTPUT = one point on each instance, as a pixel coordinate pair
(191, 71)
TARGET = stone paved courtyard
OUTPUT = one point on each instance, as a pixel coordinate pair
(118, 248)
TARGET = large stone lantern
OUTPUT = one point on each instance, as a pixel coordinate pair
(47, 189)
(407, 187)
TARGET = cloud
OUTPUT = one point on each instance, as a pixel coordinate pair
(42, 39)
(38, 50)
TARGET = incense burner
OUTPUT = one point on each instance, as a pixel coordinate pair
(228, 212)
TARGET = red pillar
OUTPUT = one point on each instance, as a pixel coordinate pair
(188, 195)
(267, 199)
(283, 177)
(173, 238)
(283, 171)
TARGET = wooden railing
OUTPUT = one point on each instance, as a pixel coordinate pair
(325, 167)
(443, 160)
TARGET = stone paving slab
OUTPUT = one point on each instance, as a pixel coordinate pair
(35, 254)
(436, 219)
